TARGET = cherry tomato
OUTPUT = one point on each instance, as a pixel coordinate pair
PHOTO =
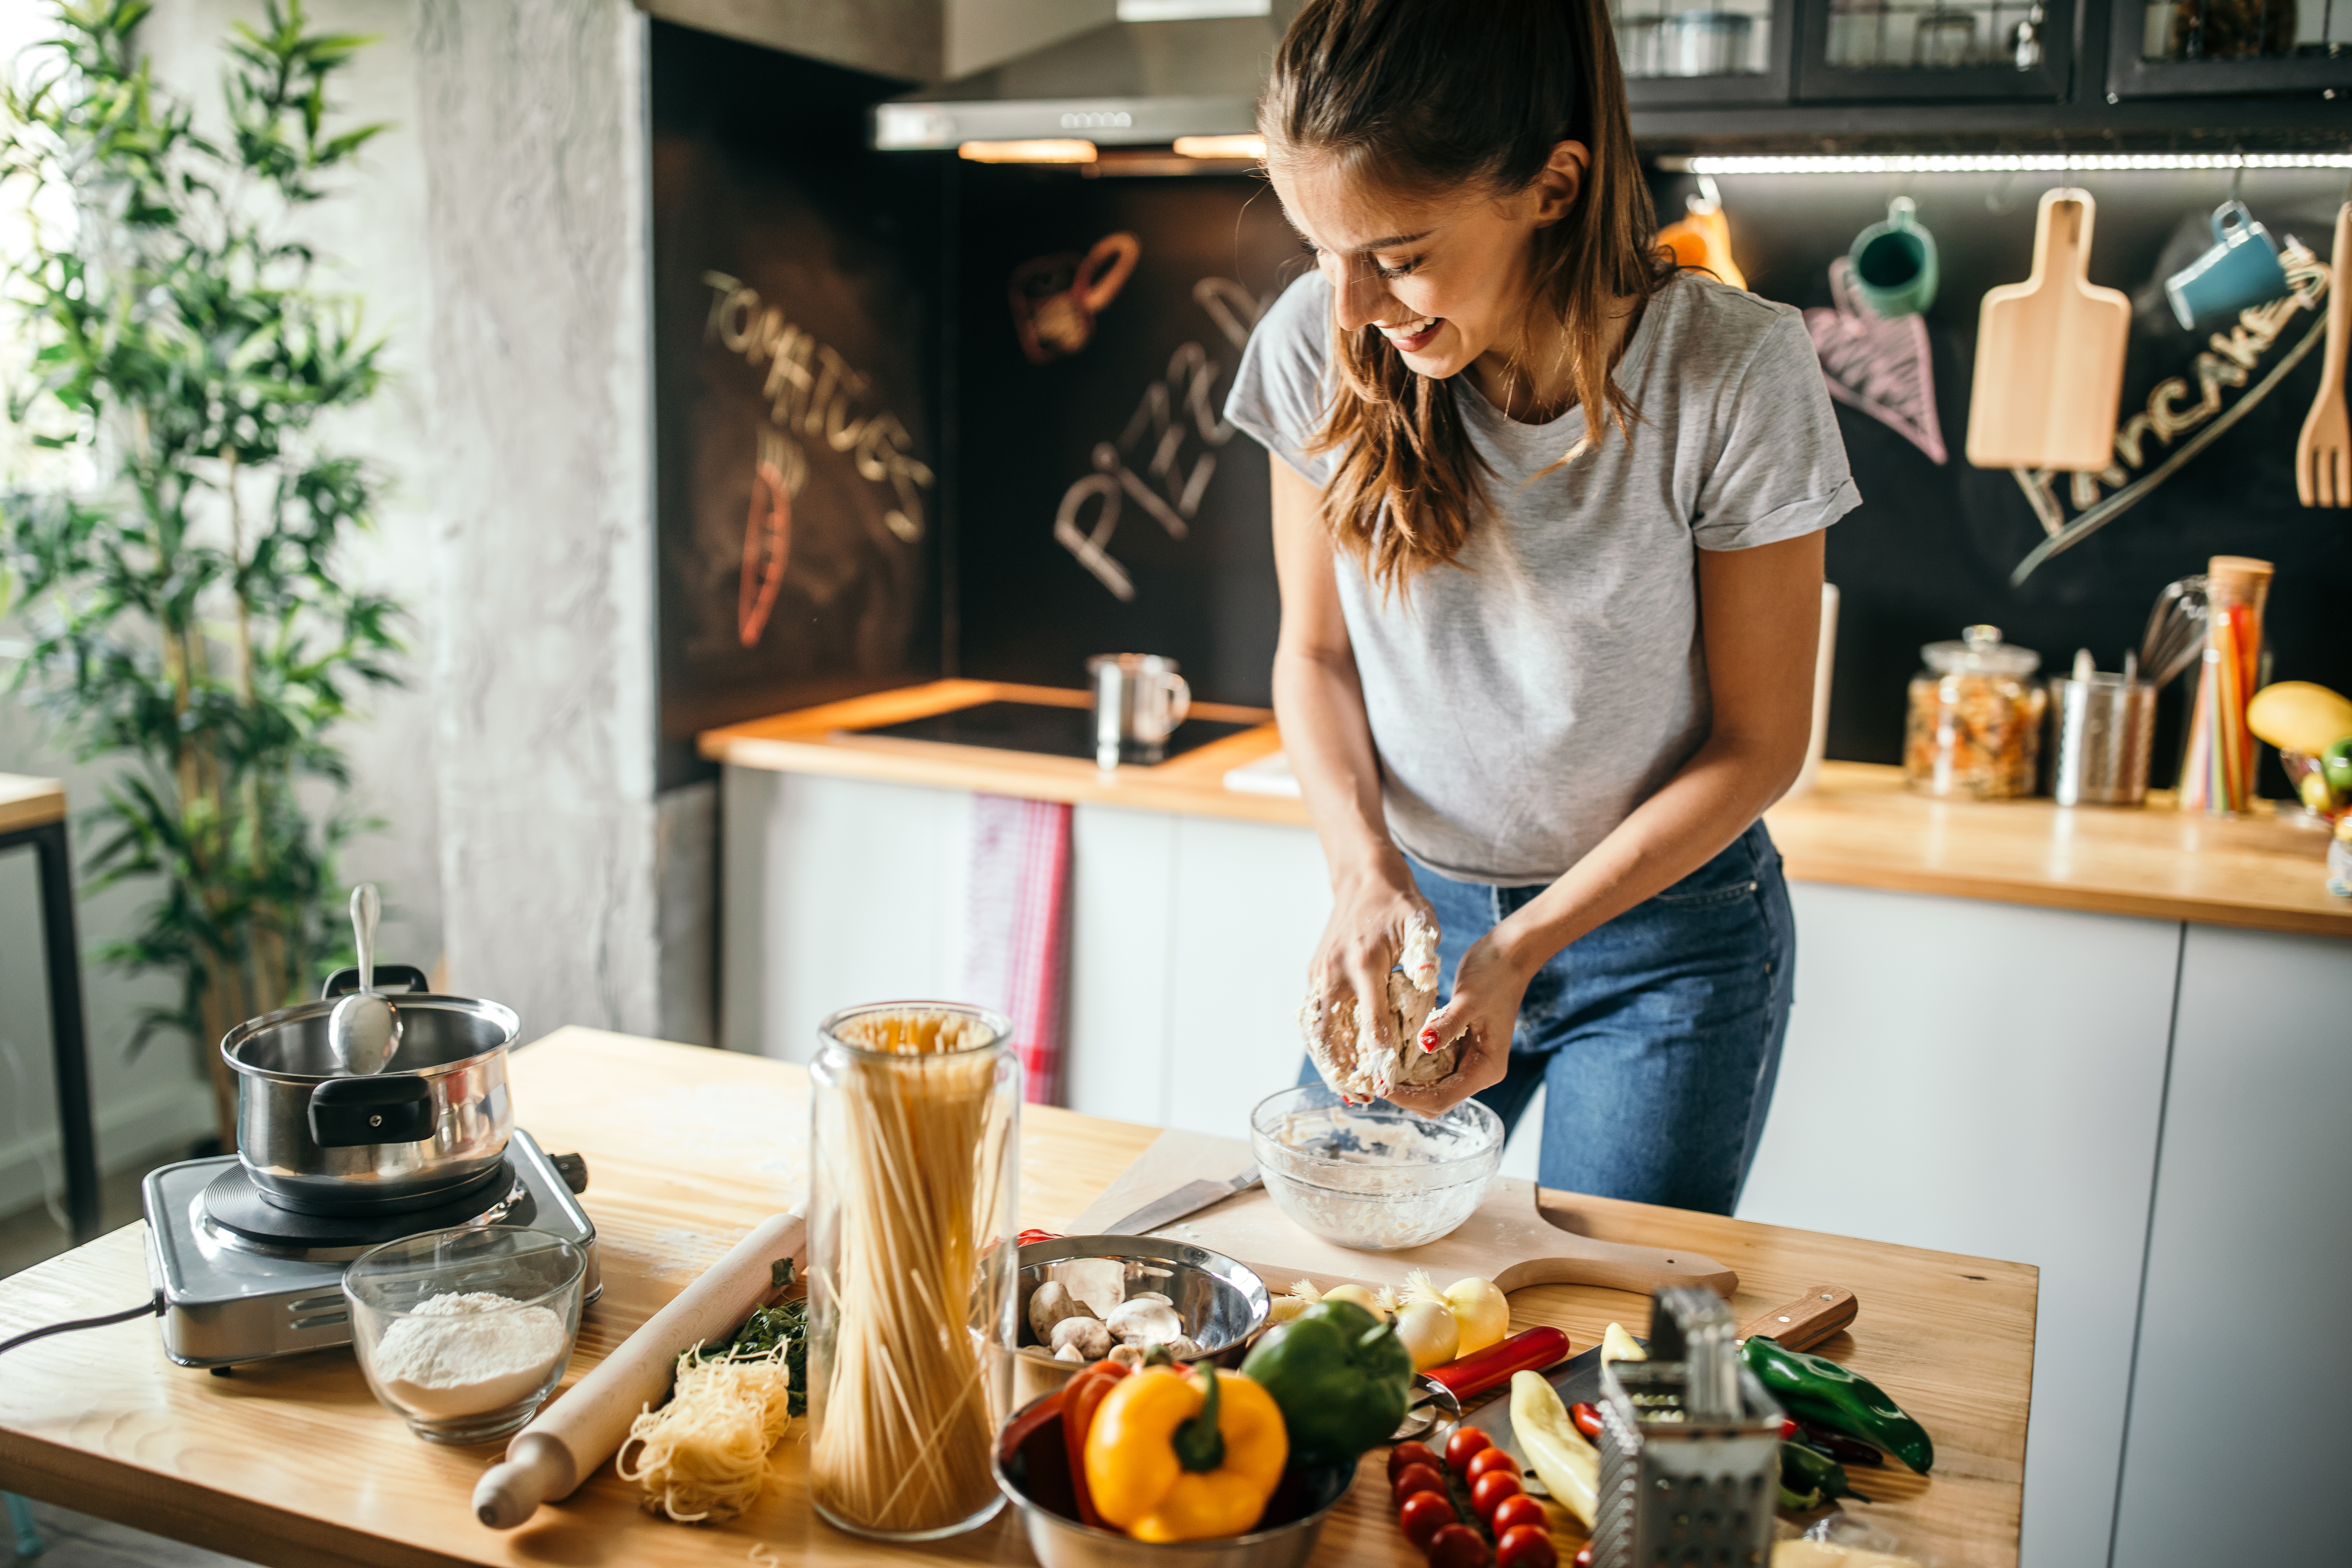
(1526, 1547)
(1415, 1479)
(1405, 1454)
(1423, 1516)
(1457, 1546)
(1487, 1492)
(1514, 1512)
(1486, 1459)
(1467, 1444)
(1587, 1418)
(1583, 1558)
(1788, 1428)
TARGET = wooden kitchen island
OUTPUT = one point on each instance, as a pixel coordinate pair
(292, 1462)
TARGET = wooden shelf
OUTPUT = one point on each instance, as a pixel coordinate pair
(1859, 826)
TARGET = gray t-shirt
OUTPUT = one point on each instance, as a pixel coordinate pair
(1525, 704)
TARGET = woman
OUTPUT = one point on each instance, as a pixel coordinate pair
(1548, 524)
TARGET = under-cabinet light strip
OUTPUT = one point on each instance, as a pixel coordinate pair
(1996, 163)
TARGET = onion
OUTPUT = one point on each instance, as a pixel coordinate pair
(1428, 1330)
(1481, 1311)
(1361, 1297)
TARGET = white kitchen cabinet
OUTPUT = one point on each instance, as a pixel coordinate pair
(1986, 1078)
(2234, 1452)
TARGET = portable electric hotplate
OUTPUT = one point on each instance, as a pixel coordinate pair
(244, 1279)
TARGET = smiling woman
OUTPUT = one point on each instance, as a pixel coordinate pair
(1547, 527)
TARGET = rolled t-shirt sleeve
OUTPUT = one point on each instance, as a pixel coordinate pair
(1277, 396)
(1781, 472)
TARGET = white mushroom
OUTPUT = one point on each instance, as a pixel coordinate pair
(1069, 1353)
(1143, 1321)
(1089, 1337)
(1185, 1349)
(1128, 1356)
(1051, 1305)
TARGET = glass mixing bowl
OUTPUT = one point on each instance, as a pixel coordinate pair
(463, 1332)
(1377, 1177)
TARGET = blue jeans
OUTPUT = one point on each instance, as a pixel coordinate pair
(1657, 1036)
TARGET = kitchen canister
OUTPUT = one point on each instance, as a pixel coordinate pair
(2101, 728)
(1974, 727)
(914, 1151)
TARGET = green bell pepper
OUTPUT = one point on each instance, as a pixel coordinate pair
(1816, 1389)
(1804, 1469)
(1339, 1375)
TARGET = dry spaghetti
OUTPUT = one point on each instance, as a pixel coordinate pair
(704, 1454)
(906, 1138)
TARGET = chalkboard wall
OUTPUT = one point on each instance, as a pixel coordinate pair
(797, 332)
(1044, 369)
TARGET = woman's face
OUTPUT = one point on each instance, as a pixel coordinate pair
(1443, 276)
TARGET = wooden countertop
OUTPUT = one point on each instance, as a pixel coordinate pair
(292, 1462)
(29, 802)
(1858, 826)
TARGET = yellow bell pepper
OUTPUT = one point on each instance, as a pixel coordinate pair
(1174, 1456)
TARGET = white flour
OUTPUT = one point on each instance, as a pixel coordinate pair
(466, 1354)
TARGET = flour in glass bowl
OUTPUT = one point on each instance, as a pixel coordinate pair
(468, 1353)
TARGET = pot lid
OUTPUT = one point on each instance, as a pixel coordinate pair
(1981, 651)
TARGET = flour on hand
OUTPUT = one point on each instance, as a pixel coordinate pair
(1345, 1045)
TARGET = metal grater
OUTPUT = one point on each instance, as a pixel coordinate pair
(1690, 1448)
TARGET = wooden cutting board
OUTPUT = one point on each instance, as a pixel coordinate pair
(1506, 1240)
(2050, 354)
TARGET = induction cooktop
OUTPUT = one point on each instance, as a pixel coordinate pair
(1055, 732)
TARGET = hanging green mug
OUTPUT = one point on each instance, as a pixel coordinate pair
(1895, 263)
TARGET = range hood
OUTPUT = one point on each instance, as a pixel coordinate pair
(1167, 68)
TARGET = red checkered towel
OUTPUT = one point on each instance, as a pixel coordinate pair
(1019, 928)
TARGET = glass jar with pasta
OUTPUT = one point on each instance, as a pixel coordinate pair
(913, 1165)
(1975, 723)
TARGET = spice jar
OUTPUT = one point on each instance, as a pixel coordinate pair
(913, 1165)
(1975, 724)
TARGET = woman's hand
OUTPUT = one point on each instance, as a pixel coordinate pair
(1360, 943)
(1489, 985)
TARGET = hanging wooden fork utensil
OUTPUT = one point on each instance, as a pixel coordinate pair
(2323, 454)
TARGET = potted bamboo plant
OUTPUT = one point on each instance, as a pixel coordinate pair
(173, 555)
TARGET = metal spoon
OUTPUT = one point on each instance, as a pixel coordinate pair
(364, 1031)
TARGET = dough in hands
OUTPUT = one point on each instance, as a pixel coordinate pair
(1344, 1048)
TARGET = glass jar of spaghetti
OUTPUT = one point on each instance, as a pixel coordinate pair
(913, 1165)
(1975, 724)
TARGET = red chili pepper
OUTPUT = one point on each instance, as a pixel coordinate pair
(1029, 1237)
(1838, 1446)
(1529, 1350)
(1024, 1425)
(1788, 1428)
(1587, 1418)
(1081, 1397)
(1583, 1558)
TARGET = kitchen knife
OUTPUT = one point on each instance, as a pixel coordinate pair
(1809, 1320)
(1190, 1198)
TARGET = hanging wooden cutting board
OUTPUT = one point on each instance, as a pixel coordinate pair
(1505, 1239)
(2050, 354)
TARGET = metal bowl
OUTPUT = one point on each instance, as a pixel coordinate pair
(1031, 1476)
(1222, 1303)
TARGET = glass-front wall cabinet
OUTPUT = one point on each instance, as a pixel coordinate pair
(2166, 48)
(1860, 50)
(1677, 52)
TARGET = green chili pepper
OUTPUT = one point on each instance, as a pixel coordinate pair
(1816, 1389)
(1791, 1504)
(1804, 1469)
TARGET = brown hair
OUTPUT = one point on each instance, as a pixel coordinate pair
(1416, 94)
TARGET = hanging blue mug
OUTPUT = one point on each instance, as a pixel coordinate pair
(2242, 269)
(1895, 263)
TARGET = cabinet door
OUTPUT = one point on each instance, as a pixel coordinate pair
(1678, 54)
(1983, 1078)
(2168, 49)
(2249, 1265)
(1861, 51)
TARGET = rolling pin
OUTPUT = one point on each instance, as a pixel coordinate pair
(566, 1443)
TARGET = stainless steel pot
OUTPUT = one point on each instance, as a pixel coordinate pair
(432, 1123)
